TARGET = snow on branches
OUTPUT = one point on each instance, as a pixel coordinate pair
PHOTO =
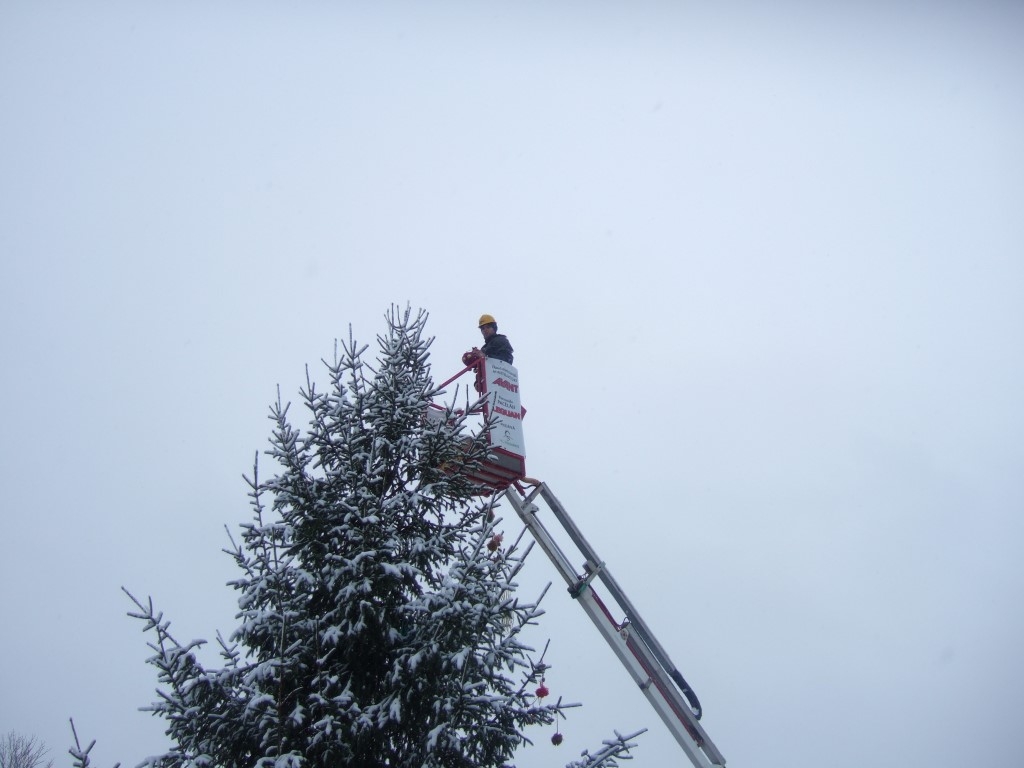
(375, 625)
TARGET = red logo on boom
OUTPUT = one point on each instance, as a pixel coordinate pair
(507, 412)
(505, 383)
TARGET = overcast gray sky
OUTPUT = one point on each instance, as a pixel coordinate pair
(762, 265)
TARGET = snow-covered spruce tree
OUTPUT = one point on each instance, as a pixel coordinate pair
(377, 625)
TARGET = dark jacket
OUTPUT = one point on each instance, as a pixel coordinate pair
(498, 347)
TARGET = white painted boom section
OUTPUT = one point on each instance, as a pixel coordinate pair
(634, 644)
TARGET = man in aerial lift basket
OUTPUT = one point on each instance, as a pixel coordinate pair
(496, 344)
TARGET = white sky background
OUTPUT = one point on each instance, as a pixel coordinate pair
(763, 268)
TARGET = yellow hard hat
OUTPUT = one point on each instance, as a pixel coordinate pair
(486, 320)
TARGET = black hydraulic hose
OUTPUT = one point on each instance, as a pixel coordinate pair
(674, 673)
(688, 693)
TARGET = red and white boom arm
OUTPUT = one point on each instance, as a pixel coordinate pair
(633, 642)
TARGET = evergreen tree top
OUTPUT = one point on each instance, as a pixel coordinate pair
(377, 627)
